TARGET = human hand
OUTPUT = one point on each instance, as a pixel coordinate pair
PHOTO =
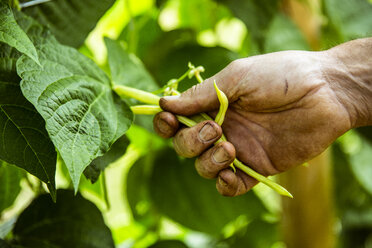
(282, 112)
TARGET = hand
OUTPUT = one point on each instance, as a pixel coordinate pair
(282, 113)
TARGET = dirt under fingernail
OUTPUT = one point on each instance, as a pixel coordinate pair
(220, 155)
(207, 133)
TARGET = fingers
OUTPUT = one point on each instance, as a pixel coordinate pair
(216, 161)
(202, 97)
(190, 142)
(217, 158)
(213, 162)
(165, 124)
(229, 183)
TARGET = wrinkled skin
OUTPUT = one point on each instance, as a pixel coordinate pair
(284, 109)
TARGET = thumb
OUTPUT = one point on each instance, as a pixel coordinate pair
(201, 97)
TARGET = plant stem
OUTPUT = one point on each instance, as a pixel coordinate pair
(174, 82)
(198, 77)
(278, 188)
(104, 190)
(139, 95)
(224, 103)
(32, 3)
(187, 121)
(146, 109)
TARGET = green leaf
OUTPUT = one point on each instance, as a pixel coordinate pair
(4, 244)
(37, 34)
(258, 234)
(353, 203)
(256, 15)
(351, 19)
(13, 35)
(163, 45)
(10, 178)
(283, 34)
(72, 222)
(141, 32)
(360, 161)
(176, 189)
(138, 194)
(70, 20)
(83, 116)
(24, 140)
(168, 244)
(199, 14)
(6, 227)
(352, 200)
(126, 69)
(117, 150)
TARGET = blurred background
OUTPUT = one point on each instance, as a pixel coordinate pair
(150, 197)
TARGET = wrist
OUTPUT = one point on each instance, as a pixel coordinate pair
(348, 71)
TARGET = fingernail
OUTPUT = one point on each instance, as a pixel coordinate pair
(163, 126)
(220, 155)
(207, 133)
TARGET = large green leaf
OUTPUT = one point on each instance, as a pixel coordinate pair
(361, 164)
(13, 35)
(353, 203)
(181, 194)
(283, 34)
(256, 15)
(351, 19)
(258, 234)
(117, 150)
(70, 20)
(24, 140)
(138, 195)
(199, 14)
(83, 116)
(4, 244)
(141, 32)
(10, 178)
(6, 227)
(127, 69)
(71, 222)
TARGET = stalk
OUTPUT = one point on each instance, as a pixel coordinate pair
(276, 187)
(140, 95)
(224, 104)
(146, 109)
(32, 3)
